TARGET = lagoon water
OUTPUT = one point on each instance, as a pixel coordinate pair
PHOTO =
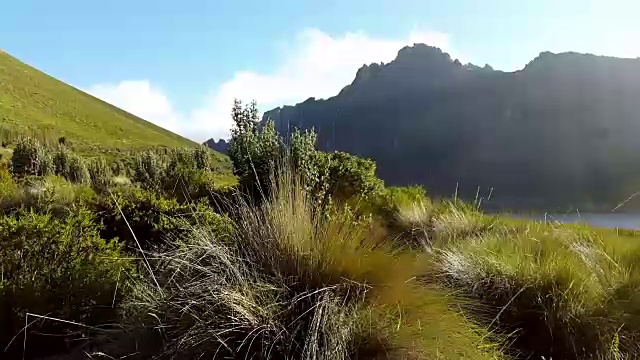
(605, 220)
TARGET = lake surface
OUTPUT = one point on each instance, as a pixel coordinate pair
(605, 220)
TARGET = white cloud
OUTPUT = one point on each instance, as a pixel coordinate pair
(316, 64)
(140, 98)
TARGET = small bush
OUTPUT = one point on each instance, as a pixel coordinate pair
(47, 166)
(152, 218)
(26, 157)
(448, 221)
(202, 158)
(70, 166)
(100, 174)
(349, 176)
(59, 268)
(149, 170)
(185, 180)
(78, 172)
(118, 168)
(388, 202)
(61, 161)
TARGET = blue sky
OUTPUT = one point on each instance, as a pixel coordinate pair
(181, 63)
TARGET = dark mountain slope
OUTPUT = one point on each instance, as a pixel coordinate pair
(561, 132)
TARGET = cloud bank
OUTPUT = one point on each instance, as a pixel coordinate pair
(315, 65)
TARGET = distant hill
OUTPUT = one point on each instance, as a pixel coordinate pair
(32, 101)
(564, 131)
(221, 146)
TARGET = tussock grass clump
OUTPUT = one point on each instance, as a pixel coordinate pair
(560, 290)
(425, 223)
(290, 282)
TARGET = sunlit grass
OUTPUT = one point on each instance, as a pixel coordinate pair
(290, 282)
(560, 291)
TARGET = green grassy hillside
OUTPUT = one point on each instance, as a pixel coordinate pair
(31, 101)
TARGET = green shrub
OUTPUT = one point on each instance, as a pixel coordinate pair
(388, 202)
(100, 174)
(149, 170)
(59, 268)
(152, 218)
(348, 176)
(188, 184)
(61, 161)
(118, 168)
(202, 157)
(47, 166)
(424, 223)
(70, 166)
(256, 150)
(185, 179)
(26, 157)
(78, 172)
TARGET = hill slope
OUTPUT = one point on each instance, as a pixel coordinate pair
(560, 132)
(33, 101)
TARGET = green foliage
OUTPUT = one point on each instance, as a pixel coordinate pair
(5, 158)
(188, 184)
(202, 157)
(256, 151)
(99, 173)
(8, 186)
(386, 204)
(47, 166)
(253, 150)
(61, 161)
(152, 218)
(149, 170)
(70, 166)
(56, 267)
(118, 168)
(349, 176)
(78, 172)
(26, 157)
